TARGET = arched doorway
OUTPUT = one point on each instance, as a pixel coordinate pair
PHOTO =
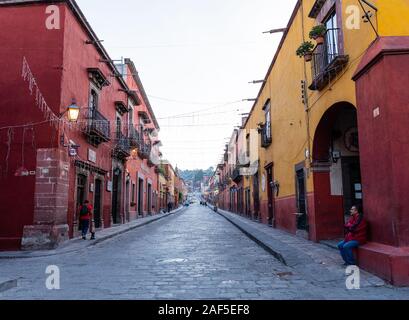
(336, 170)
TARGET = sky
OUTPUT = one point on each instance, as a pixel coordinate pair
(195, 59)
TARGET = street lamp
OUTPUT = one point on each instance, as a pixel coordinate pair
(73, 112)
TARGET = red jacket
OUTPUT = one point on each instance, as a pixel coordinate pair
(356, 229)
(89, 215)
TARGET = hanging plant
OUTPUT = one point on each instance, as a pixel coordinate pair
(317, 33)
(305, 50)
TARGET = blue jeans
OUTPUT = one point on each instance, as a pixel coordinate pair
(346, 251)
(84, 227)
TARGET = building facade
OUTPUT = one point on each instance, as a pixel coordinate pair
(50, 165)
(329, 131)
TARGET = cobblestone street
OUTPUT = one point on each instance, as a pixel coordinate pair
(194, 254)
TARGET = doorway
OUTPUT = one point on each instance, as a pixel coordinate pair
(140, 197)
(127, 201)
(336, 170)
(116, 196)
(97, 203)
(302, 221)
(256, 197)
(352, 183)
(149, 199)
(81, 188)
(248, 202)
(270, 194)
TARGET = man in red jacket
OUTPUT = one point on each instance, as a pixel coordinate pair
(356, 235)
(85, 216)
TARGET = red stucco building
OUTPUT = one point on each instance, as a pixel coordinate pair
(48, 165)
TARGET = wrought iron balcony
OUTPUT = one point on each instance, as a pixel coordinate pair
(98, 128)
(327, 61)
(266, 138)
(236, 175)
(134, 136)
(144, 150)
(122, 149)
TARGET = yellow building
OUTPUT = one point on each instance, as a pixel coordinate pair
(309, 115)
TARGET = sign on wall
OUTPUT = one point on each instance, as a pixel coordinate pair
(109, 186)
(92, 156)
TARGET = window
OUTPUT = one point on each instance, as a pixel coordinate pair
(93, 102)
(118, 127)
(331, 43)
(268, 122)
(266, 132)
(133, 192)
(248, 146)
(130, 116)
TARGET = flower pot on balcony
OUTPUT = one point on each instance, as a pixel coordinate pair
(308, 57)
(320, 40)
(317, 33)
(305, 50)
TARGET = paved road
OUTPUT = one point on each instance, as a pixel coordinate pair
(196, 254)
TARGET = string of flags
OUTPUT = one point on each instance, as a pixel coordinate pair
(28, 76)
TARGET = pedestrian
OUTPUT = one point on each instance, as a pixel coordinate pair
(356, 235)
(85, 216)
(169, 206)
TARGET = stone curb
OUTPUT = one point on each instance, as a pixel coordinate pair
(254, 237)
(7, 284)
(114, 233)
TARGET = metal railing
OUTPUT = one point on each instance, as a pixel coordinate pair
(266, 138)
(144, 150)
(99, 125)
(134, 136)
(123, 144)
(326, 53)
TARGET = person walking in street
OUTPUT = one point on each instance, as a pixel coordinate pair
(85, 216)
(356, 235)
(169, 206)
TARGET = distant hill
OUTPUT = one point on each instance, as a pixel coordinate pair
(196, 175)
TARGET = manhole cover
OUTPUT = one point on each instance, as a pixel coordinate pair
(284, 274)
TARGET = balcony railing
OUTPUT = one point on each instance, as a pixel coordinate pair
(98, 128)
(144, 150)
(327, 61)
(133, 136)
(266, 138)
(236, 175)
(123, 147)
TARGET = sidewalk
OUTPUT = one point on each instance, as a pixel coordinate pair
(318, 263)
(78, 244)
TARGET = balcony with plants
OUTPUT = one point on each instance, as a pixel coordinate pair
(326, 58)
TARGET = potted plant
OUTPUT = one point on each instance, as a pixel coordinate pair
(317, 33)
(305, 50)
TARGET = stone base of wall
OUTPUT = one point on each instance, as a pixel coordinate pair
(44, 237)
(389, 263)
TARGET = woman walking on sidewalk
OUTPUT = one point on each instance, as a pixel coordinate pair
(356, 235)
(86, 221)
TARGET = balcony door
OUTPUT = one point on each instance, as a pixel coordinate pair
(93, 103)
(331, 43)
